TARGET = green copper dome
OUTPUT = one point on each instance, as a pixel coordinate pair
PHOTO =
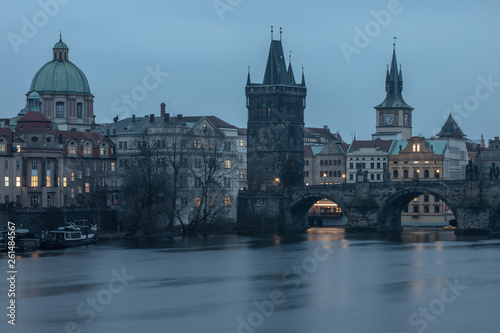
(60, 75)
(60, 45)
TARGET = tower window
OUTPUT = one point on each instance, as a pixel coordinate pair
(79, 110)
(60, 110)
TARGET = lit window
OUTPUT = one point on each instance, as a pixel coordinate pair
(197, 144)
(71, 193)
(72, 177)
(34, 174)
(197, 202)
(227, 201)
(212, 201)
(7, 165)
(18, 148)
(227, 164)
(34, 181)
(7, 181)
(113, 166)
(79, 189)
(72, 149)
(18, 181)
(415, 199)
(104, 150)
(65, 181)
(240, 174)
(48, 181)
(87, 149)
(2, 147)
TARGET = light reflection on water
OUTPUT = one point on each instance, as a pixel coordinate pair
(368, 282)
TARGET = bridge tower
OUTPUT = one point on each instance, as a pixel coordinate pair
(275, 136)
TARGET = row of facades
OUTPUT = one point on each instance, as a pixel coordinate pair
(53, 154)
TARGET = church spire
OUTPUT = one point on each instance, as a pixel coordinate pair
(291, 76)
(276, 69)
(394, 85)
(303, 83)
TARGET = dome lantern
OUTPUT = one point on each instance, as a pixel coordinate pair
(60, 50)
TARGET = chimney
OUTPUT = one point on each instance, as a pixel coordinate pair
(179, 116)
(166, 117)
(152, 118)
(133, 118)
(162, 107)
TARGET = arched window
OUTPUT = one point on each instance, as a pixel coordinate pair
(415, 174)
(34, 201)
(436, 175)
(79, 109)
(426, 174)
(405, 174)
(395, 174)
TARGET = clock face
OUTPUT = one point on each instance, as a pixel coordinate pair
(389, 120)
(406, 120)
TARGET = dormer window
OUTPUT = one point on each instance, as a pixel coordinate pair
(34, 139)
(87, 149)
(104, 150)
(2, 146)
(72, 148)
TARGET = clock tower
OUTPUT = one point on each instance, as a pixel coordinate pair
(393, 114)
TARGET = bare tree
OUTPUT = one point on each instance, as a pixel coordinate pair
(145, 186)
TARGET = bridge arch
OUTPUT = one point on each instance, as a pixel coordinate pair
(389, 214)
(301, 205)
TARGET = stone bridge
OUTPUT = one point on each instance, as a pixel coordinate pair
(476, 204)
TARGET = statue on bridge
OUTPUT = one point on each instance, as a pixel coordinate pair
(471, 171)
(494, 171)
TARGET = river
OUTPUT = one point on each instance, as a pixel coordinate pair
(420, 280)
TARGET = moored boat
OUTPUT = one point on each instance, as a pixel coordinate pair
(69, 236)
(24, 240)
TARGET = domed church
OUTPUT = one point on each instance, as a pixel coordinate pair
(64, 92)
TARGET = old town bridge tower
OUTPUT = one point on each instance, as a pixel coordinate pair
(275, 124)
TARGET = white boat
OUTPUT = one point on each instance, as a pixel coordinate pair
(68, 236)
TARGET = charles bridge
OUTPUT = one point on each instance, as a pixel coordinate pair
(371, 206)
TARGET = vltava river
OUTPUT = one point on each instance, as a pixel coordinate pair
(320, 281)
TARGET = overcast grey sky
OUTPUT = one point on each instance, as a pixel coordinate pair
(449, 50)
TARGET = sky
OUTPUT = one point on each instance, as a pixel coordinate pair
(194, 56)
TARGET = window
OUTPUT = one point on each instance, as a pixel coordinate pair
(7, 165)
(416, 147)
(87, 187)
(372, 176)
(378, 176)
(2, 146)
(372, 165)
(18, 199)
(426, 198)
(49, 200)
(104, 166)
(18, 181)
(87, 172)
(104, 150)
(197, 144)
(34, 174)
(7, 181)
(197, 162)
(405, 174)
(415, 199)
(227, 146)
(197, 201)
(212, 201)
(240, 143)
(124, 144)
(79, 110)
(120, 144)
(18, 165)
(306, 174)
(227, 164)
(436, 199)
(240, 174)
(79, 189)
(60, 110)
(426, 209)
(87, 149)
(378, 165)
(306, 162)
(65, 181)
(113, 166)
(227, 201)
(72, 148)
(72, 177)
(395, 174)
(351, 165)
(72, 193)
(48, 180)
(406, 209)
(351, 176)
(34, 201)
(227, 182)
(415, 209)
(436, 209)
(426, 174)
(436, 174)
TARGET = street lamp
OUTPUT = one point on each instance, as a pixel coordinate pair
(343, 178)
